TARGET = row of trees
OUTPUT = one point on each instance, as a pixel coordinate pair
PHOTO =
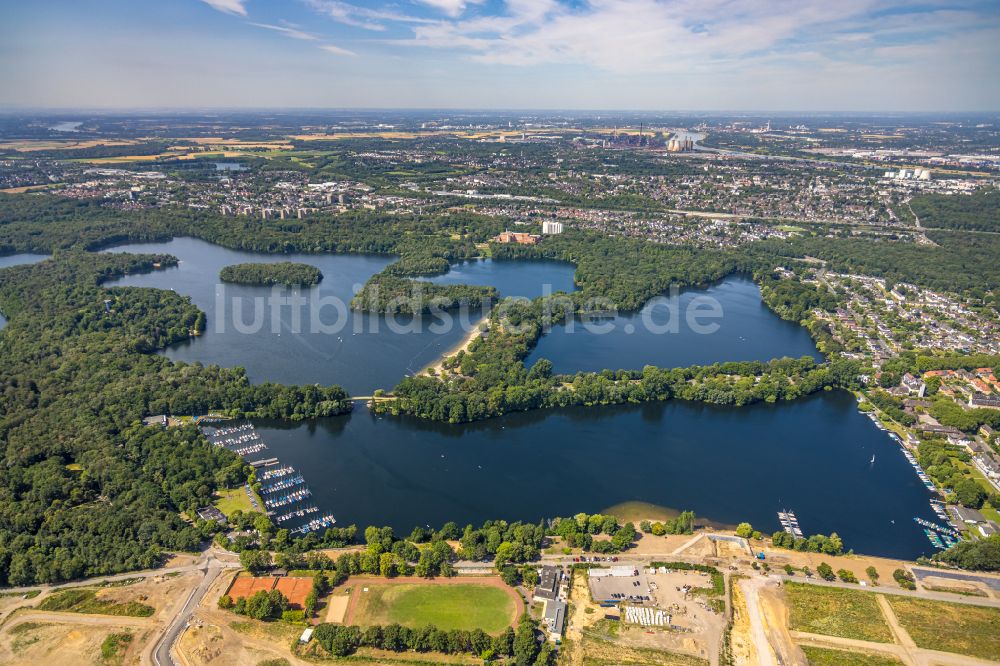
(521, 646)
(683, 523)
(817, 543)
(429, 553)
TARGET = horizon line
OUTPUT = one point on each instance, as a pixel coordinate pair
(11, 109)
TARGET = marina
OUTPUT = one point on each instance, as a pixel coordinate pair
(934, 526)
(910, 458)
(286, 495)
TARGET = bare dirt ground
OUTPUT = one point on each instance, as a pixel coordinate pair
(30, 636)
(222, 638)
(50, 638)
(767, 615)
(336, 608)
(778, 557)
(648, 543)
(587, 630)
(741, 641)
(160, 592)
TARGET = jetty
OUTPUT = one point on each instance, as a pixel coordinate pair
(790, 523)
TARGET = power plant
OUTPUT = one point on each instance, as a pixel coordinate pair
(680, 145)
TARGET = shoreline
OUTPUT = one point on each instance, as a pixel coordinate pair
(462, 345)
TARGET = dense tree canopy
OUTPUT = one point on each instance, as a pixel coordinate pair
(85, 490)
(287, 273)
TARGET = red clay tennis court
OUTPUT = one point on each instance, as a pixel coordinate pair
(295, 589)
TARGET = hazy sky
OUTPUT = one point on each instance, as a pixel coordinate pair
(592, 54)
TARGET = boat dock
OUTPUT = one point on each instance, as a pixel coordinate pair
(276, 473)
(284, 491)
(790, 523)
(943, 530)
(284, 484)
(315, 524)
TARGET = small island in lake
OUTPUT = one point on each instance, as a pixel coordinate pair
(285, 272)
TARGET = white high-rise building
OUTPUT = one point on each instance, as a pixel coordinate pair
(552, 227)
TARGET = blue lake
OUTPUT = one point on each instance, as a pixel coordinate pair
(527, 279)
(726, 464)
(725, 322)
(334, 344)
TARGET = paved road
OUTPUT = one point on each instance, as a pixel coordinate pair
(921, 573)
(176, 625)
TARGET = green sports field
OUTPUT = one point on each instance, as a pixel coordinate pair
(445, 606)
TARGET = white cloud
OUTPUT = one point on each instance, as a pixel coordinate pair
(288, 30)
(639, 36)
(450, 7)
(228, 6)
(361, 17)
(336, 50)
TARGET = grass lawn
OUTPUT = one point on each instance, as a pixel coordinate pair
(824, 657)
(86, 601)
(232, 499)
(445, 606)
(959, 628)
(834, 611)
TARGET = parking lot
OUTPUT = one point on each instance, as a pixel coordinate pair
(634, 590)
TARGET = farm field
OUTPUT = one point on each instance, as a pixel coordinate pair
(836, 612)
(447, 606)
(938, 625)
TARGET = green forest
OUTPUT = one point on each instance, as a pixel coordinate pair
(288, 273)
(85, 491)
(979, 211)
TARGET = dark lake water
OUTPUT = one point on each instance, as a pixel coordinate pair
(529, 279)
(728, 465)
(18, 260)
(668, 332)
(359, 351)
